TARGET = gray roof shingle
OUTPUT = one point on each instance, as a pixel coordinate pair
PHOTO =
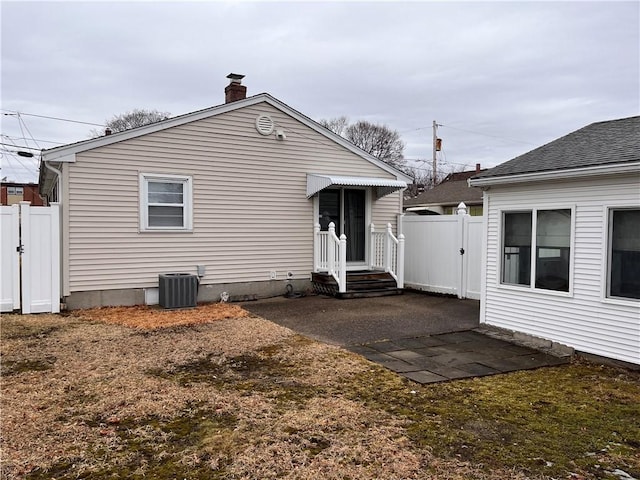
(601, 143)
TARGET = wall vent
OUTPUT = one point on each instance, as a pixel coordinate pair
(264, 124)
(178, 290)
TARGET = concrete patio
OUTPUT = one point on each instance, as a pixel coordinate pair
(423, 337)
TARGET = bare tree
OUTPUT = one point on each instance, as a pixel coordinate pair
(378, 140)
(336, 125)
(134, 118)
(421, 180)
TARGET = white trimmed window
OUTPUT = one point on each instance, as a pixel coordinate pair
(536, 249)
(165, 202)
(623, 266)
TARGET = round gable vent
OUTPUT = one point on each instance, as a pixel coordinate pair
(264, 124)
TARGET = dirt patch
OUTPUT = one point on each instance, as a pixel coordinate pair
(13, 367)
(150, 318)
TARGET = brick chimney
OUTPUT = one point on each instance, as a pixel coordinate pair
(235, 90)
(478, 168)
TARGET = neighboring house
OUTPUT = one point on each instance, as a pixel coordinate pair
(20, 192)
(562, 238)
(445, 197)
(165, 198)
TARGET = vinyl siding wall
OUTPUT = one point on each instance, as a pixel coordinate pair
(584, 319)
(250, 211)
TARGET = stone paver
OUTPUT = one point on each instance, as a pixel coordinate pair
(424, 376)
(456, 355)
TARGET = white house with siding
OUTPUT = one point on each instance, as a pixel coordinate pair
(562, 241)
(241, 194)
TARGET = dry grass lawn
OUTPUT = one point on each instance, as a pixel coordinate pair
(215, 393)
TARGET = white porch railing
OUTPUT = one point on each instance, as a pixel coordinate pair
(330, 255)
(386, 253)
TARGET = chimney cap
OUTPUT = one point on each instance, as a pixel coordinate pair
(235, 77)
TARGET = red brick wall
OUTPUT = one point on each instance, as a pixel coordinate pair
(30, 193)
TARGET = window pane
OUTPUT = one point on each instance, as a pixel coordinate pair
(354, 213)
(163, 192)
(624, 271)
(166, 217)
(553, 245)
(516, 258)
(329, 209)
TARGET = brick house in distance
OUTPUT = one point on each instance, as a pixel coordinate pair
(20, 192)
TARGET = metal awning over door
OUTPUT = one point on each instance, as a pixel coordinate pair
(382, 186)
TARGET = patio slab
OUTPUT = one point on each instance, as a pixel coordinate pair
(363, 320)
(423, 337)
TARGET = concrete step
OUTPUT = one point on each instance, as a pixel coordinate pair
(360, 284)
(378, 292)
(370, 284)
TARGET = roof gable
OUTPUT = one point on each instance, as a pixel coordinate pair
(453, 190)
(611, 142)
(66, 153)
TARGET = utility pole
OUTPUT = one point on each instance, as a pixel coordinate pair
(435, 161)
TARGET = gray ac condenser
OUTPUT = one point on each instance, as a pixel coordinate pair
(178, 290)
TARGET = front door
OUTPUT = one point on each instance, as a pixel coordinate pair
(346, 207)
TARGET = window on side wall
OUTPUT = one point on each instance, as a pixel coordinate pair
(536, 249)
(165, 202)
(623, 269)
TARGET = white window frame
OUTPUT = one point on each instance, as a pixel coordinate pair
(187, 201)
(534, 229)
(606, 255)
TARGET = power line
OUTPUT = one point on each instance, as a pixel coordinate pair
(29, 168)
(470, 131)
(19, 146)
(16, 113)
(35, 139)
(21, 120)
(487, 135)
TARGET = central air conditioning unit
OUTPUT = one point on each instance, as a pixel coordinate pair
(178, 290)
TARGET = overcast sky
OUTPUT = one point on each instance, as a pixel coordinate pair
(500, 77)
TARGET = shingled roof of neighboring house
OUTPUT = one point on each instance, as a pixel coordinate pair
(601, 143)
(453, 190)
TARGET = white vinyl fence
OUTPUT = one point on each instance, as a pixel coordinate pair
(443, 254)
(30, 261)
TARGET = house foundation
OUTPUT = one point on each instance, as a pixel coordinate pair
(206, 293)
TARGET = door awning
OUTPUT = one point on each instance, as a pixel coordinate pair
(383, 186)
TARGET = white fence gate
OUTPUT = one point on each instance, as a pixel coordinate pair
(443, 254)
(30, 261)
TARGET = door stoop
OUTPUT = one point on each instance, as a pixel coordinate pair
(360, 284)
